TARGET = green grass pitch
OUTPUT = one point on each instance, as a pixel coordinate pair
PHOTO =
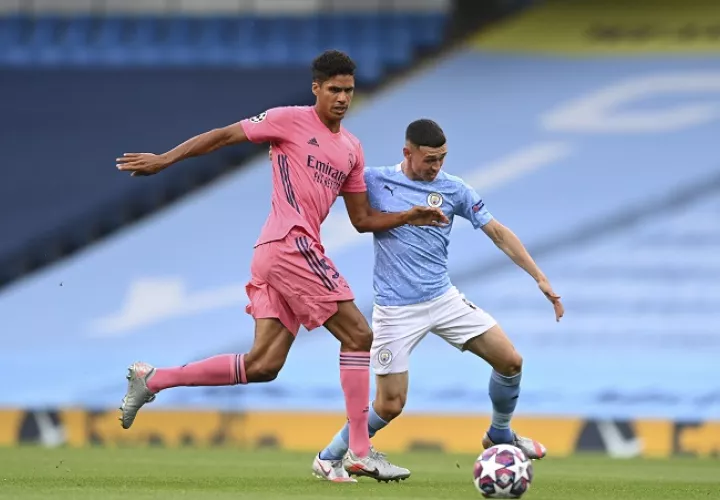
(146, 473)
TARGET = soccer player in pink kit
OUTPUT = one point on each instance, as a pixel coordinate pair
(314, 160)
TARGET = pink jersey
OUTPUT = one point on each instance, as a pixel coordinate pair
(311, 167)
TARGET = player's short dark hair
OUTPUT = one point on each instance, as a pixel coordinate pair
(332, 63)
(425, 132)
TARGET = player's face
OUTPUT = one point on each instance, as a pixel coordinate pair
(424, 162)
(334, 96)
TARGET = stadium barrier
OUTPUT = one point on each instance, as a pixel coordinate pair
(310, 431)
(609, 27)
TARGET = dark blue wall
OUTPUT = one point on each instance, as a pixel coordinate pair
(61, 130)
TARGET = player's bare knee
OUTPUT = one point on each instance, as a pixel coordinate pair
(360, 340)
(262, 370)
(510, 366)
(350, 327)
(358, 335)
(389, 408)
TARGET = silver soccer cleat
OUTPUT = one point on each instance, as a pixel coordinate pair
(137, 393)
(531, 448)
(375, 465)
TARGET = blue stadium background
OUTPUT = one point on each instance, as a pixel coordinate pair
(607, 168)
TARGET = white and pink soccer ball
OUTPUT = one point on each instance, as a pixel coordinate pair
(503, 471)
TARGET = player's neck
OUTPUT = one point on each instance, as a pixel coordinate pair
(407, 172)
(332, 125)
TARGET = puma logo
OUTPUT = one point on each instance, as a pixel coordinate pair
(392, 190)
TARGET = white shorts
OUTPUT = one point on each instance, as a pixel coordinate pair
(398, 330)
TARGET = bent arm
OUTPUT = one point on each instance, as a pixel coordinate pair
(366, 219)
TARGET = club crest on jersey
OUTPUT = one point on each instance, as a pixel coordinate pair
(259, 118)
(351, 160)
(384, 357)
(435, 199)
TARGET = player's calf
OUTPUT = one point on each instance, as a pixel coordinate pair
(504, 385)
(388, 404)
(145, 381)
(504, 391)
(339, 445)
(261, 364)
(349, 326)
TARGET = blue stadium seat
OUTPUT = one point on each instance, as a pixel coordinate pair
(396, 37)
(304, 38)
(76, 40)
(14, 35)
(11, 31)
(172, 41)
(370, 63)
(428, 29)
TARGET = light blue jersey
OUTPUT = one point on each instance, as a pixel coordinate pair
(411, 261)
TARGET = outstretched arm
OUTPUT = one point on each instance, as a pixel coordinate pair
(368, 220)
(149, 164)
(511, 245)
(207, 143)
(271, 125)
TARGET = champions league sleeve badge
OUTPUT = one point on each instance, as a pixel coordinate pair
(259, 118)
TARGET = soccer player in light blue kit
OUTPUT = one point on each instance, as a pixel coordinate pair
(414, 296)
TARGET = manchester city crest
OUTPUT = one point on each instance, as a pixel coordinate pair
(435, 199)
(384, 356)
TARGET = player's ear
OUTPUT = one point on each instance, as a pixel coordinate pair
(406, 152)
(315, 88)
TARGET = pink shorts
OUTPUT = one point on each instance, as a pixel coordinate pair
(292, 280)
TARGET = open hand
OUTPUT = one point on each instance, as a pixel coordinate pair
(427, 216)
(547, 290)
(142, 163)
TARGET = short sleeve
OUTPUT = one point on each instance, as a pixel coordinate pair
(355, 182)
(269, 126)
(472, 207)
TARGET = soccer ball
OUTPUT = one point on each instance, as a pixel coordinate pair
(503, 471)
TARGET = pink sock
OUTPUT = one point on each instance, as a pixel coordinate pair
(355, 380)
(226, 369)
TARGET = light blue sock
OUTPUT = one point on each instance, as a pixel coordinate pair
(504, 393)
(340, 443)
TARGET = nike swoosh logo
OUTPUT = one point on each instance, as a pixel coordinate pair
(326, 472)
(361, 468)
